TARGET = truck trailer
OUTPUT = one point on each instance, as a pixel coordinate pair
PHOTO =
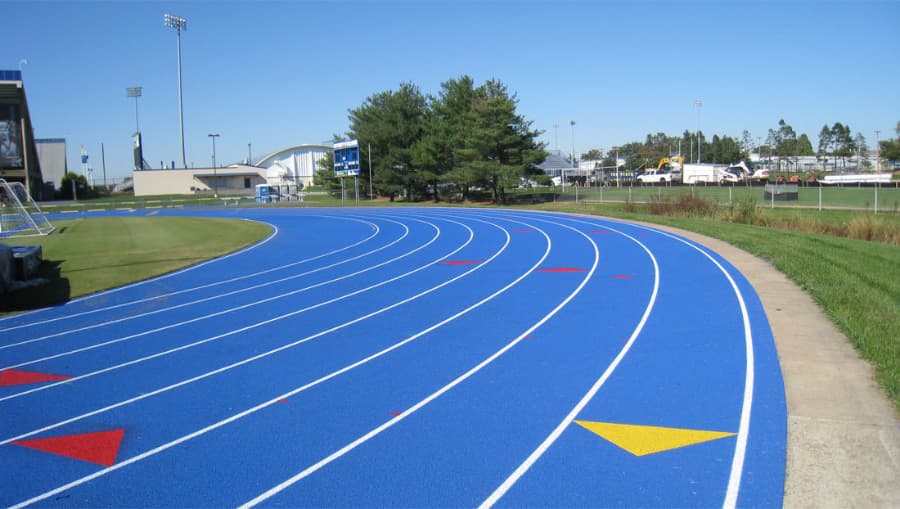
(703, 173)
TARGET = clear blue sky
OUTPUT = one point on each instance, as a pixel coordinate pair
(277, 74)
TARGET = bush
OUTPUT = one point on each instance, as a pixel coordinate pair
(80, 184)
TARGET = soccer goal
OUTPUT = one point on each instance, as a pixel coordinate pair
(20, 216)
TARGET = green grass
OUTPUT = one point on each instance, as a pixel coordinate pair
(856, 282)
(90, 255)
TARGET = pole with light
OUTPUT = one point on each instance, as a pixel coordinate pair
(698, 103)
(215, 177)
(135, 92)
(877, 151)
(574, 158)
(139, 156)
(179, 24)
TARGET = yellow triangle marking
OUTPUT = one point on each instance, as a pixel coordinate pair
(643, 440)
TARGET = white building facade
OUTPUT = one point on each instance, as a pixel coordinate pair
(295, 165)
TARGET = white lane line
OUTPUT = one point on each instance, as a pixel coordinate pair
(229, 333)
(460, 379)
(272, 401)
(209, 285)
(567, 420)
(206, 299)
(274, 233)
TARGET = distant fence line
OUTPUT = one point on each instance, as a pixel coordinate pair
(877, 199)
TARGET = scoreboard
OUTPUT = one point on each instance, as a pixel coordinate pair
(346, 158)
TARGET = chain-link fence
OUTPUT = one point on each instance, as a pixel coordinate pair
(876, 199)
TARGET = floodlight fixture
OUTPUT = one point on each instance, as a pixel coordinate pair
(179, 24)
(176, 22)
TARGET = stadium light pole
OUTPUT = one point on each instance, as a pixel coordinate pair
(572, 123)
(179, 24)
(698, 103)
(877, 151)
(215, 177)
(135, 92)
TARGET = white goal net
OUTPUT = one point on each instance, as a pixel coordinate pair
(19, 215)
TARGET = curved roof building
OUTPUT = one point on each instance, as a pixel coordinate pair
(297, 164)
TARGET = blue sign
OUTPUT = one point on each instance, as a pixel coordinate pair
(346, 158)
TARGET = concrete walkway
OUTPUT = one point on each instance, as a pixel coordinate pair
(843, 432)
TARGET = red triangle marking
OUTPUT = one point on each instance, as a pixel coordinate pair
(622, 276)
(530, 336)
(284, 401)
(460, 262)
(600, 232)
(16, 377)
(562, 269)
(523, 231)
(395, 414)
(101, 447)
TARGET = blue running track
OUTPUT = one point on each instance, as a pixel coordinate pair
(404, 357)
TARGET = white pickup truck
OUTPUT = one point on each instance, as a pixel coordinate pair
(659, 176)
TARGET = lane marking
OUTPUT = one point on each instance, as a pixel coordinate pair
(641, 440)
(9, 377)
(100, 447)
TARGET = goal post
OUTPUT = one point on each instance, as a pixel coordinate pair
(20, 216)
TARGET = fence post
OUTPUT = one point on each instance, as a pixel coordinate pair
(730, 198)
(876, 198)
(820, 198)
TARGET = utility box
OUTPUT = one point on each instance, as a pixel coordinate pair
(781, 192)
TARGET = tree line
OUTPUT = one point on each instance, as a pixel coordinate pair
(467, 137)
(782, 144)
(470, 137)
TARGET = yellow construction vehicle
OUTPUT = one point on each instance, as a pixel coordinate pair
(674, 162)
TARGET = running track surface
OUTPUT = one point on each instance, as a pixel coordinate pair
(404, 357)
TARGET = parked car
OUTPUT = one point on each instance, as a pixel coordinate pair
(760, 175)
(730, 176)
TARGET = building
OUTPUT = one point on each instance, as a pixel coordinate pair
(237, 179)
(18, 154)
(295, 165)
(51, 153)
